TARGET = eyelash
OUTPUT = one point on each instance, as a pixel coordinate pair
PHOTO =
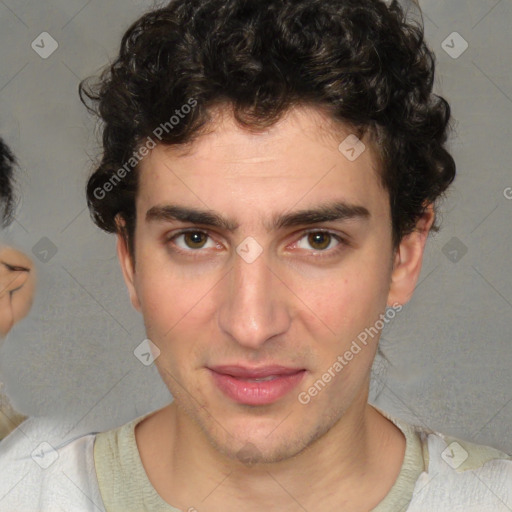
(342, 243)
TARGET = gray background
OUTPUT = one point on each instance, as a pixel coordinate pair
(72, 360)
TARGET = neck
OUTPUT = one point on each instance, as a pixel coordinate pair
(353, 466)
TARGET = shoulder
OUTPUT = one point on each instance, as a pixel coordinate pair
(449, 474)
(461, 475)
(41, 475)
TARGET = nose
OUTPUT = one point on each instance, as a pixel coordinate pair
(253, 306)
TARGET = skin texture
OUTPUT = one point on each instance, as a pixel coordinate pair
(291, 306)
(17, 283)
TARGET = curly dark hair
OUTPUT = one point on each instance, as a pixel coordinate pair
(7, 163)
(362, 61)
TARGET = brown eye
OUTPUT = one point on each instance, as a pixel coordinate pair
(319, 240)
(191, 243)
(195, 239)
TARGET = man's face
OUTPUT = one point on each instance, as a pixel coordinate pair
(298, 304)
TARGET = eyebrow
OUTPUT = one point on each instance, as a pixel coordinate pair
(336, 211)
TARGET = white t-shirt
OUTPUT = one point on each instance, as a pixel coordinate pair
(104, 473)
(39, 475)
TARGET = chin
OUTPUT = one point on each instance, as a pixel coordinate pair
(263, 442)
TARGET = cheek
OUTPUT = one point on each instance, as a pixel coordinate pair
(155, 287)
(345, 301)
(173, 304)
(348, 307)
(163, 304)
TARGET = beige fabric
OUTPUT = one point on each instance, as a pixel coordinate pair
(415, 462)
(122, 480)
(9, 418)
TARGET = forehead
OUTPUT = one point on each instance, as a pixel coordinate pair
(304, 157)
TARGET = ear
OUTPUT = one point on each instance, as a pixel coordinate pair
(127, 266)
(408, 259)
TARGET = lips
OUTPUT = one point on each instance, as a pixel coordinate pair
(256, 386)
(242, 372)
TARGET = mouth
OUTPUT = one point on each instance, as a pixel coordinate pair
(256, 386)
